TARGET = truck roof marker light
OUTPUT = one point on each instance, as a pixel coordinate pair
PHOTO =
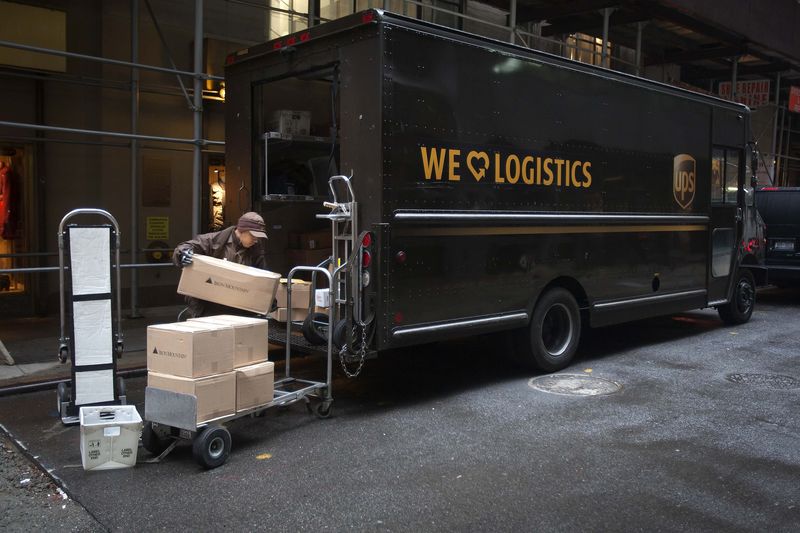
(305, 36)
(277, 45)
(366, 259)
(291, 40)
(368, 17)
(230, 59)
(400, 257)
(398, 318)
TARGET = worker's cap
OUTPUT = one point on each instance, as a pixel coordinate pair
(253, 223)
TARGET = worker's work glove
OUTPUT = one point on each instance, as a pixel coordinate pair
(186, 257)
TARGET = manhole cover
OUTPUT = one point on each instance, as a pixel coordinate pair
(770, 381)
(574, 385)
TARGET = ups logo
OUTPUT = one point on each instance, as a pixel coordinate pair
(683, 179)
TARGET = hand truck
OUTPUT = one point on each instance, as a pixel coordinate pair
(94, 341)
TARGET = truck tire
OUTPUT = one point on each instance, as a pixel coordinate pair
(550, 342)
(740, 308)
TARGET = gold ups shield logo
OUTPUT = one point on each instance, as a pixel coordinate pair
(683, 180)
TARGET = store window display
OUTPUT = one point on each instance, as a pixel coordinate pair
(10, 217)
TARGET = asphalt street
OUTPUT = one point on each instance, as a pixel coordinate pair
(702, 435)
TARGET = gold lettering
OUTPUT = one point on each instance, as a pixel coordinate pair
(497, 178)
(527, 173)
(538, 171)
(559, 163)
(575, 165)
(454, 165)
(586, 174)
(432, 162)
(512, 175)
(548, 171)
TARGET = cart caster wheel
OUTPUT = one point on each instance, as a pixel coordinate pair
(212, 447)
(62, 392)
(152, 439)
(63, 354)
(323, 410)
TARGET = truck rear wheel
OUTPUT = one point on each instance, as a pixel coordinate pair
(740, 308)
(552, 338)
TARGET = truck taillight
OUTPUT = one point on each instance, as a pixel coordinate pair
(366, 240)
(366, 259)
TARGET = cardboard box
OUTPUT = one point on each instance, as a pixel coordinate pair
(315, 240)
(228, 283)
(254, 385)
(297, 315)
(301, 294)
(216, 395)
(308, 257)
(190, 349)
(250, 343)
(291, 122)
(109, 436)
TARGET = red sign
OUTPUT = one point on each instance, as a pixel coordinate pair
(794, 99)
(752, 93)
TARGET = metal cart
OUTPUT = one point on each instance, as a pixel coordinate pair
(171, 417)
(94, 341)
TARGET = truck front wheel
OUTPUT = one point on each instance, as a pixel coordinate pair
(739, 309)
(552, 338)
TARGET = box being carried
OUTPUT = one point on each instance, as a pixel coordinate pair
(228, 283)
(109, 436)
(249, 336)
(190, 349)
(281, 314)
(216, 395)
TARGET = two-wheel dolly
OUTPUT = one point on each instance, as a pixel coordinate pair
(171, 417)
(91, 334)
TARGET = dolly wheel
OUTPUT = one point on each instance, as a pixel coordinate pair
(315, 328)
(62, 392)
(152, 439)
(63, 354)
(212, 447)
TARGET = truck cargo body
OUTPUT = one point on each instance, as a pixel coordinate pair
(491, 174)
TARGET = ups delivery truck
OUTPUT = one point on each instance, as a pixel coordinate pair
(486, 187)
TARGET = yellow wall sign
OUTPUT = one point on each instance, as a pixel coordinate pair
(157, 228)
(524, 169)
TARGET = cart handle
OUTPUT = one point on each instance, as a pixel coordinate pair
(87, 211)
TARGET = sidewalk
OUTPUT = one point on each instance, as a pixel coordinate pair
(33, 344)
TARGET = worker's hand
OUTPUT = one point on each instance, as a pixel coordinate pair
(186, 257)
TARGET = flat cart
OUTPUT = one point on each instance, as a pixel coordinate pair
(171, 417)
(90, 303)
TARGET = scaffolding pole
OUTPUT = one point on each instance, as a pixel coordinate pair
(198, 114)
(134, 153)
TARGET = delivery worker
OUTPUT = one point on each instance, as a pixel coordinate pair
(243, 243)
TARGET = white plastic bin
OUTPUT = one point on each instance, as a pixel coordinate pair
(109, 436)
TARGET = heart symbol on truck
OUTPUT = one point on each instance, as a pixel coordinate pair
(479, 172)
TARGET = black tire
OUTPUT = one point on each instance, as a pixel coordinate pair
(323, 409)
(62, 393)
(152, 440)
(313, 330)
(212, 447)
(550, 342)
(340, 333)
(740, 308)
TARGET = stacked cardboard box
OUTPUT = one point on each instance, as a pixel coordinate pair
(220, 360)
(301, 298)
